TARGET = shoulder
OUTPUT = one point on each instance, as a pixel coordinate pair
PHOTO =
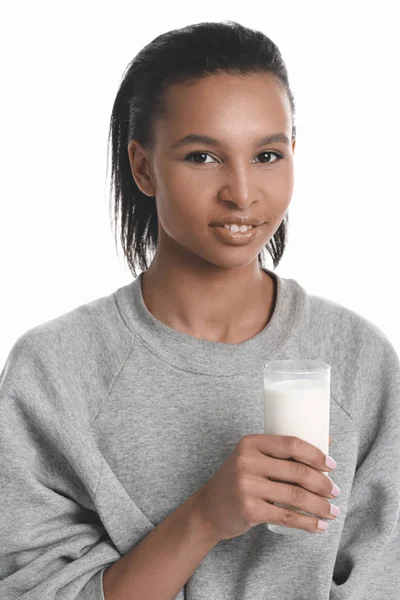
(75, 355)
(342, 323)
(365, 366)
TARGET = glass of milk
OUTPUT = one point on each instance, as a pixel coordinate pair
(297, 402)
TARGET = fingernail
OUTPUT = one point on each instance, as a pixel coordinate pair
(334, 510)
(330, 463)
(323, 525)
(335, 490)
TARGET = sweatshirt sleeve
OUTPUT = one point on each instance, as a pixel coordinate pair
(53, 543)
(368, 559)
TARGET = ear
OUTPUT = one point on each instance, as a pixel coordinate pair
(140, 168)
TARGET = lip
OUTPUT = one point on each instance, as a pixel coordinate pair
(236, 220)
(237, 238)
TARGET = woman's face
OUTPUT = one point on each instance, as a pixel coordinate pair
(234, 176)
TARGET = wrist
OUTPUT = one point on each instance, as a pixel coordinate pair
(202, 530)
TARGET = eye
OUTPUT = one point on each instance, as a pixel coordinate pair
(276, 154)
(188, 157)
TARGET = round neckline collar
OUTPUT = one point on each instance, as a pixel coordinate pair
(216, 358)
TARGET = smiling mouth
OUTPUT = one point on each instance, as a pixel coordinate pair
(235, 238)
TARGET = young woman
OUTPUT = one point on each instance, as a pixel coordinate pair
(133, 462)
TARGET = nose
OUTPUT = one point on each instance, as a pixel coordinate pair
(237, 189)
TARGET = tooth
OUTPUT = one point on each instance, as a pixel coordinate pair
(235, 228)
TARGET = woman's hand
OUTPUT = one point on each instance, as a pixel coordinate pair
(240, 494)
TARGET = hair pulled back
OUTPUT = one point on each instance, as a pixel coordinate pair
(177, 56)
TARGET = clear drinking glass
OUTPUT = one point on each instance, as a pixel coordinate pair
(297, 402)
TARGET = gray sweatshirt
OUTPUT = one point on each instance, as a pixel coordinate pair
(110, 420)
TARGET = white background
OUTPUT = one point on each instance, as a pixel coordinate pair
(61, 67)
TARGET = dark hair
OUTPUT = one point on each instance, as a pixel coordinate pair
(176, 56)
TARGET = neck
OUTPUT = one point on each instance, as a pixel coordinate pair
(217, 304)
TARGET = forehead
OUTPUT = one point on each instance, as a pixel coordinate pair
(224, 99)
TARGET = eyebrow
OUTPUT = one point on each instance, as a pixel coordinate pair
(194, 138)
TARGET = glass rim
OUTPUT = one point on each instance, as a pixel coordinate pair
(320, 365)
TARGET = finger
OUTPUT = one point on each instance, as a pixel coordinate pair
(291, 518)
(297, 474)
(290, 446)
(330, 439)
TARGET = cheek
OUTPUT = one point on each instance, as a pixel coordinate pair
(181, 213)
(279, 193)
(284, 183)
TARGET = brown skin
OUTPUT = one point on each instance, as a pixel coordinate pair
(197, 284)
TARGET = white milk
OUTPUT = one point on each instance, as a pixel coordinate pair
(298, 407)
